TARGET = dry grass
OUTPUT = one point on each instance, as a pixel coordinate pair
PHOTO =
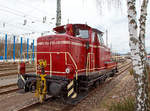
(131, 71)
(126, 105)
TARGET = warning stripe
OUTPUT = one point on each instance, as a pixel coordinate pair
(74, 95)
(70, 88)
(70, 92)
(70, 84)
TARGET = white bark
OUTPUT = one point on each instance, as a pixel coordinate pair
(137, 46)
(142, 21)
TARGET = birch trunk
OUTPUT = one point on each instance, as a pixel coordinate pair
(142, 22)
(138, 55)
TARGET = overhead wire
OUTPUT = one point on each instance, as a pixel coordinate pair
(20, 14)
(19, 27)
(27, 6)
(31, 6)
(23, 16)
(25, 28)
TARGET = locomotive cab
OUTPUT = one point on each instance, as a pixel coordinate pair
(74, 30)
(70, 62)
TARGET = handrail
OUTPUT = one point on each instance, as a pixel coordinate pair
(76, 68)
(88, 68)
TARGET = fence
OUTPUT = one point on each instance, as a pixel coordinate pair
(12, 47)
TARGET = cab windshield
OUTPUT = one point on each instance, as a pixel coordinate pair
(83, 33)
(80, 32)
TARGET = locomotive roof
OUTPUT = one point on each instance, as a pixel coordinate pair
(96, 30)
(78, 25)
(81, 25)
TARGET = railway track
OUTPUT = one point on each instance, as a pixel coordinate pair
(14, 73)
(52, 104)
(13, 68)
(13, 65)
(8, 89)
(8, 69)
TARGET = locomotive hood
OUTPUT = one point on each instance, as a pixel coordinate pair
(45, 40)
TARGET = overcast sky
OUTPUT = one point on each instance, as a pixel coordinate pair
(14, 12)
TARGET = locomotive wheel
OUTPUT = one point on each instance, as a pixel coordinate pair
(113, 73)
(29, 84)
(64, 97)
(26, 88)
(96, 84)
(32, 87)
(104, 79)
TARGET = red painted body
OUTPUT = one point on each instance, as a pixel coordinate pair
(21, 68)
(78, 54)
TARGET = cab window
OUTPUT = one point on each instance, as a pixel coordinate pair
(93, 36)
(83, 33)
(100, 39)
(80, 32)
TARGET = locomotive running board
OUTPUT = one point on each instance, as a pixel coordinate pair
(77, 100)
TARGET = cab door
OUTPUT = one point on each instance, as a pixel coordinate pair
(91, 57)
(101, 52)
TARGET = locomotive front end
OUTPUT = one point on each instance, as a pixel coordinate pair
(55, 68)
(55, 61)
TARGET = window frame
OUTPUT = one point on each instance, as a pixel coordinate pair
(100, 38)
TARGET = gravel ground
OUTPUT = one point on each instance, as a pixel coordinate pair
(125, 88)
(16, 100)
(117, 86)
(12, 101)
(111, 90)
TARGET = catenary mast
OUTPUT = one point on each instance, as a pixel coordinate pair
(58, 13)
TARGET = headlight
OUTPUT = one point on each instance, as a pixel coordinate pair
(38, 67)
(67, 70)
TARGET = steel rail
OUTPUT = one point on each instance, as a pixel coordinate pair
(13, 68)
(14, 73)
(9, 90)
(9, 85)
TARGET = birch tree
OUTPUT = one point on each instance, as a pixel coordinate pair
(138, 53)
(137, 47)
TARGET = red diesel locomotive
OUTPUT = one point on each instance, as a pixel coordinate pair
(69, 63)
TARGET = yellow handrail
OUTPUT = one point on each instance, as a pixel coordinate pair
(76, 68)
